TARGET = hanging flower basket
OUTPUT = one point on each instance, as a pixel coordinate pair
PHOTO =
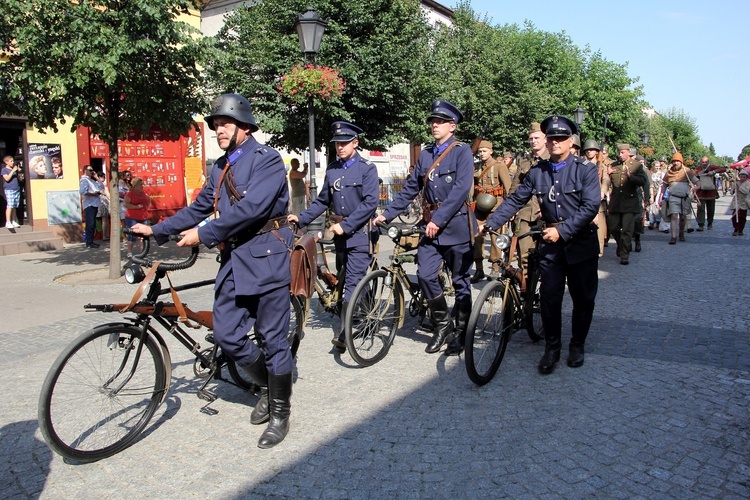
(320, 82)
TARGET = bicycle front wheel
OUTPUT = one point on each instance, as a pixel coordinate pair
(533, 306)
(488, 332)
(101, 392)
(376, 310)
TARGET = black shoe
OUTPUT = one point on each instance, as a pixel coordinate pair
(638, 246)
(700, 229)
(575, 356)
(624, 261)
(455, 348)
(92, 245)
(340, 342)
(547, 363)
(691, 230)
(478, 276)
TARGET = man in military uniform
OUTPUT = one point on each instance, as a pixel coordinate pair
(591, 153)
(626, 175)
(576, 149)
(512, 167)
(568, 191)
(444, 174)
(351, 191)
(493, 178)
(252, 285)
(643, 201)
(529, 213)
(707, 193)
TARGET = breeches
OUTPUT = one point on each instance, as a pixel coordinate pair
(356, 261)
(458, 258)
(235, 317)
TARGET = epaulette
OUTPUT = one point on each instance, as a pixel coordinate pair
(261, 150)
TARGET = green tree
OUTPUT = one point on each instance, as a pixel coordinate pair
(110, 65)
(744, 153)
(374, 44)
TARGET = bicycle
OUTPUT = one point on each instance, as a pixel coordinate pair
(377, 306)
(505, 305)
(103, 389)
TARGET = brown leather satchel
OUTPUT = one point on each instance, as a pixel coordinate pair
(304, 266)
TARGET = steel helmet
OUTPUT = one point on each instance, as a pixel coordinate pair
(234, 106)
(486, 202)
(577, 141)
(591, 144)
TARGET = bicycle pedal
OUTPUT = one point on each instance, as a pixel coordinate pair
(209, 411)
(207, 395)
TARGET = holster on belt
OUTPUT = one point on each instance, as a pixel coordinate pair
(427, 209)
(336, 219)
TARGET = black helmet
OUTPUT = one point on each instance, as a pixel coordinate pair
(591, 144)
(234, 106)
(485, 202)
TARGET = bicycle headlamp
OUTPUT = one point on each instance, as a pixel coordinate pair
(134, 274)
(502, 242)
(394, 232)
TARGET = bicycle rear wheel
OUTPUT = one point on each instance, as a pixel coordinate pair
(488, 332)
(97, 398)
(376, 309)
(411, 215)
(532, 304)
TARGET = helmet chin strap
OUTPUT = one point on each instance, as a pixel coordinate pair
(233, 141)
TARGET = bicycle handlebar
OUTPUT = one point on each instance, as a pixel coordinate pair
(163, 266)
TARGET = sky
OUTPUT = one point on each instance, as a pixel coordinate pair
(690, 55)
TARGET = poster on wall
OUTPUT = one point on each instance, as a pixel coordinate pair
(63, 207)
(45, 161)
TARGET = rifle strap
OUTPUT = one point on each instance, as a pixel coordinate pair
(180, 307)
(436, 163)
(231, 187)
(141, 288)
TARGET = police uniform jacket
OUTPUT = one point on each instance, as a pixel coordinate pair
(351, 190)
(569, 197)
(529, 212)
(259, 262)
(625, 197)
(448, 187)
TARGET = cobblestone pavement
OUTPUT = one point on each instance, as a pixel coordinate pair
(659, 410)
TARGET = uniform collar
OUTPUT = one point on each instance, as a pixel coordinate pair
(241, 150)
(556, 167)
(438, 150)
(351, 161)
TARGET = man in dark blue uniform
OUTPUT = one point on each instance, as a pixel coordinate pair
(248, 189)
(445, 175)
(567, 188)
(351, 191)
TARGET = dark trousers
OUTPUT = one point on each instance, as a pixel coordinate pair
(706, 210)
(582, 282)
(739, 218)
(458, 258)
(235, 317)
(356, 261)
(621, 227)
(89, 214)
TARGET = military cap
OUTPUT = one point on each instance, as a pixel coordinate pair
(485, 144)
(623, 145)
(591, 144)
(577, 140)
(344, 131)
(535, 127)
(507, 154)
(558, 126)
(633, 152)
(233, 106)
(445, 111)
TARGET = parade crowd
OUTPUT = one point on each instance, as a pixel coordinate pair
(580, 199)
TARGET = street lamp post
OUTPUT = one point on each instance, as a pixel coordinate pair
(310, 27)
(578, 116)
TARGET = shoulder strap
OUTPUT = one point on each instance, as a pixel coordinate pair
(438, 160)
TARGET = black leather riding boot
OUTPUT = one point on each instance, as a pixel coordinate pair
(279, 395)
(637, 242)
(443, 323)
(459, 340)
(258, 372)
(551, 356)
(340, 340)
(479, 274)
(575, 355)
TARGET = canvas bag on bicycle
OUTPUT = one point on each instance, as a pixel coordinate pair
(302, 255)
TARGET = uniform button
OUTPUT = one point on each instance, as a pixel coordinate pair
(559, 206)
(268, 251)
(232, 245)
